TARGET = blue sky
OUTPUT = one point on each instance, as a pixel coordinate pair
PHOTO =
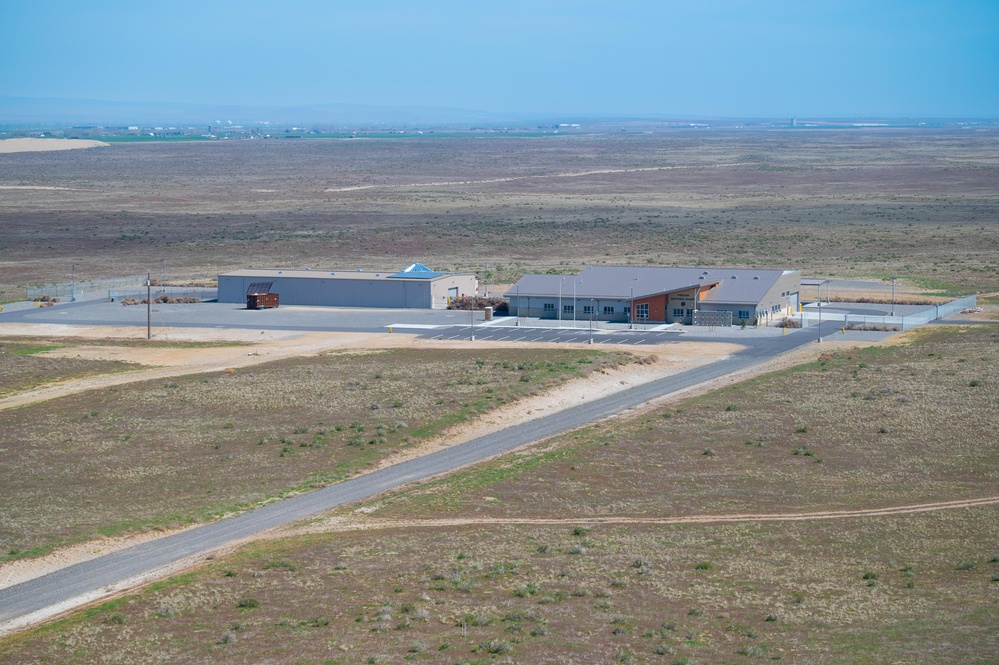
(693, 58)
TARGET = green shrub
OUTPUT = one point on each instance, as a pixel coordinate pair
(498, 647)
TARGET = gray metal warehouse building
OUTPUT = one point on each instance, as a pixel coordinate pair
(414, 287)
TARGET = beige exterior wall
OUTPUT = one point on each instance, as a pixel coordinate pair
(443, 288)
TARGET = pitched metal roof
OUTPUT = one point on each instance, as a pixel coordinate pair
(734, 285)
(416, 271)
(308, 273)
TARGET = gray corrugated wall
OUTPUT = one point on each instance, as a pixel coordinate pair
(389, 294)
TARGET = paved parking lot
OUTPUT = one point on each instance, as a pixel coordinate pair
(432, 324)
(555, 335)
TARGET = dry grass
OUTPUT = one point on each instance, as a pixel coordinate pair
(864, 428)
(546, 595)
(22, 368)
(903, 588)
(916, 204)
(164, 452)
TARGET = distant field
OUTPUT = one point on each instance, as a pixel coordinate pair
(192, 447)
(920, 205)
(429, 577)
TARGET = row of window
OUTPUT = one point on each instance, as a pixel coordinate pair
(642, 311)
(587, 309)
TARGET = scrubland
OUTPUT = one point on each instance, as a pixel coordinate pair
(920, 205)
(600, 546)
(168, 452)
(542, 556)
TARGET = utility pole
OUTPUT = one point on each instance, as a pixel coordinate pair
(163, 283)
(149, 307)
(471, 319)
(72, 292)
(487, 280)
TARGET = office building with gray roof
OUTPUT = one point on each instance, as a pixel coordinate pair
(656, 294)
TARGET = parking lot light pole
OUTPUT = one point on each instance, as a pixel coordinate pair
(818, 334)
(149, 307)
(560, 302)
(591, 320)
(574, 304)
(631, 309)
(518, 303)
(893, 295)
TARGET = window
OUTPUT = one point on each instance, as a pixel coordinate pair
(677, 311)
(549, 307)
(568, 309)
(744, 314)
(690, 312)
(587, 309)
(642, 311)
(627, 310)
(609, 309)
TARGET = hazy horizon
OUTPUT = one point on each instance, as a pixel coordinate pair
(723, 59)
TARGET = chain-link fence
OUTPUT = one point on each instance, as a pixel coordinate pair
(99, 287)
(178, 293)
(813, 316)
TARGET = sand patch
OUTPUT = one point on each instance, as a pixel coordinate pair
(48, 145)
(164, 362)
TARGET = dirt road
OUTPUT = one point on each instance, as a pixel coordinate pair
(333, 525)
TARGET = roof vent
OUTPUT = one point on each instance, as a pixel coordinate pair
(332, 274)
(756, 277)
(378, 274)
(701, 277)
(733, 277)
(705, 272)
(280, 272)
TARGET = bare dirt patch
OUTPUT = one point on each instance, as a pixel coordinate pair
(157, 362)
(8, 146)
